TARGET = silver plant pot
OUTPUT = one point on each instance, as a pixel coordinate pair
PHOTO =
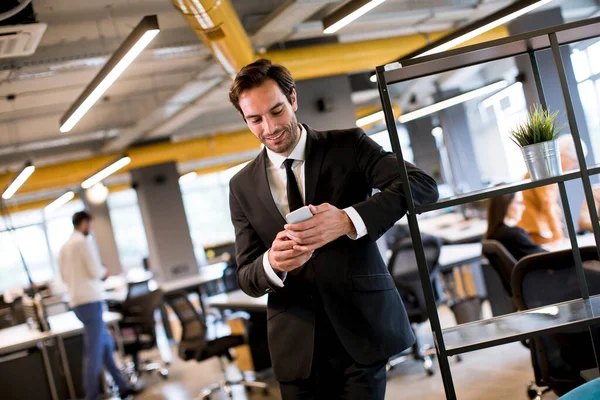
(542, 159)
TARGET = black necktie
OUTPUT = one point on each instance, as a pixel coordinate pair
(293, 193)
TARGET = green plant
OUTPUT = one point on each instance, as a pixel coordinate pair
(539, 127)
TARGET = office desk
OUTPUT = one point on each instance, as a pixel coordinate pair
(238, 300)
(452, 227)
(21, 337)
(207, 274)
(257, 333)
(453, 255)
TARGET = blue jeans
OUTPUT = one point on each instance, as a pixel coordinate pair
(98, 350)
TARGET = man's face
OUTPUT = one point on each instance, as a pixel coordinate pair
(271, 117)
(86, 227)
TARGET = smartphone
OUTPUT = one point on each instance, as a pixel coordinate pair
(300, 215)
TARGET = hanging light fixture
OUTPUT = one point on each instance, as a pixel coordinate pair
(106, 172)
(59, 202)
(348, 13)
(18, 181)
(442, 105)
(133, 45)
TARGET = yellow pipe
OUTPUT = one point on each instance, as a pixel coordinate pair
(219, 27)
(74, 172)
(343, 58)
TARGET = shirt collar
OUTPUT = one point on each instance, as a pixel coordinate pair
(297, 154)
(76, 233)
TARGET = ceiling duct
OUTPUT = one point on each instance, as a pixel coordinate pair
(19, 32)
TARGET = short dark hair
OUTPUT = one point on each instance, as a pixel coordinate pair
(255, 74)
(81, 216)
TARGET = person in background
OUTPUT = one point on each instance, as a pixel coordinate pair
(542, 218)
(585, 221)
(503, 214)
(82, 273)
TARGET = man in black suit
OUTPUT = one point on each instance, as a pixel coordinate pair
(334, 314)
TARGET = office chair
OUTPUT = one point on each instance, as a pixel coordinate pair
(404, 269)
(542, 279)
(497, 277)
(138, 326)
(195, 345)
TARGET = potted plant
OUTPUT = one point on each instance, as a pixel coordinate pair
(537, 139)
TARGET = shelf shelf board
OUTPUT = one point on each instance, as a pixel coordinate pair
(521, 325)
(494, 50)
(496, 191)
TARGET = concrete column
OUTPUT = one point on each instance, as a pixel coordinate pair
(425, 151)
(552, 89)
(459, 144)
(104, 235)
(326, 103)
(171, 252)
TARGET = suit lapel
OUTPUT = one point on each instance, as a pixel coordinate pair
(315, 151)
(263, 189)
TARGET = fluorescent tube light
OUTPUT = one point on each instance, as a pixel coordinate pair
(61, 201)
(369, 119)
(111, 169)
(452, 101)
(189, 177)
(473, 31)
(22, 176)
(348, 13)
(501, 94)
(133, 45)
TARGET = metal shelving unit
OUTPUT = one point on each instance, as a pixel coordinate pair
(582, 312)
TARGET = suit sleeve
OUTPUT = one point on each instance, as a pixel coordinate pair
(383, 209)
(250, 251)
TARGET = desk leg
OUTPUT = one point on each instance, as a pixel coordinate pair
(67, 369)
(49, 373)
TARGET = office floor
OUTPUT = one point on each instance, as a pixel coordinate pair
(500, 373)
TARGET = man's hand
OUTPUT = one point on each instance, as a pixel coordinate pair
(282, 255)
(327, 224)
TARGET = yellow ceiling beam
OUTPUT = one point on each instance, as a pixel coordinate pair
(74, 172)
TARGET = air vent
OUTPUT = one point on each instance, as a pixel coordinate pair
(20, 40)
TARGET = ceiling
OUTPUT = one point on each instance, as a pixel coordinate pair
(174, 90)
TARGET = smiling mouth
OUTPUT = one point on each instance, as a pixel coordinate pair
(275, 137)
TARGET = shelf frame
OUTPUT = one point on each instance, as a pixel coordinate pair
(530, 44)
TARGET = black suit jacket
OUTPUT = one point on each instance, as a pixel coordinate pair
(356, 290)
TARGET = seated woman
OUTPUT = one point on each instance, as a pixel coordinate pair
(503, 215)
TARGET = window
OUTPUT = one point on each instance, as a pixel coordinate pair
(128, 228)
(206, 203)
(383, 139)
(586, 66)
(29, 238)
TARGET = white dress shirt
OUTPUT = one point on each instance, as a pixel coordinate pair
(81, 270)
(277, 177)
